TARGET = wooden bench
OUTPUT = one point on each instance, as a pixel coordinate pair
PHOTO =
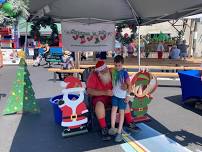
(172, 74)
(157, 74)
(160, 74)
(150, 67)
(69, 71)
(55, 55)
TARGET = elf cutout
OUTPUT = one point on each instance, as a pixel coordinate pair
(143, 85)
(74, 110)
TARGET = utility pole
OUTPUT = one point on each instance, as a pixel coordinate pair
(1, 55)
(190, 53)
(195, 37)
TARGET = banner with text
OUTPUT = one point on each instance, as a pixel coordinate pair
(84, 37)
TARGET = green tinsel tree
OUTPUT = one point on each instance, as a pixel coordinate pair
(22, 97)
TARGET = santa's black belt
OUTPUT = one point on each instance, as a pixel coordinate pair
(139, 109)
(73, 116)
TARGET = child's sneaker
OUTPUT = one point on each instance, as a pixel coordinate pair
(118, 138)
(104, 133)
(112, 131)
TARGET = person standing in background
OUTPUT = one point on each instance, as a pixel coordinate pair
(160, 49)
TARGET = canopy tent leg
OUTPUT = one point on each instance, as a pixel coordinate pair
(77, 60)
(139, 55)
(25, 44)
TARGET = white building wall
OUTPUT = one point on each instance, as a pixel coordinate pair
(166, 27)
(199, 40)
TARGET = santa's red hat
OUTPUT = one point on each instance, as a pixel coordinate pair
(71, 82)
(100, 66)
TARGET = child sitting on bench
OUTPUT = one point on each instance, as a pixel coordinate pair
(67, 63)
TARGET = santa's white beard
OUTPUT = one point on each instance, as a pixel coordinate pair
(105, 78)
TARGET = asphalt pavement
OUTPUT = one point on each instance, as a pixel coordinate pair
(28, 132)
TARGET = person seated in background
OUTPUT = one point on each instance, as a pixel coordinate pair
(38, 55)
(183, 50)
(67, 62)
(46, 52)
(174, 53)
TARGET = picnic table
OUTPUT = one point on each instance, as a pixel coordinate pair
(66, 71)
(160, 74)
(171, 74)
(150, 67)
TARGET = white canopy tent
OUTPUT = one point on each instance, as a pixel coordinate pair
(115, 10)
(141, 12)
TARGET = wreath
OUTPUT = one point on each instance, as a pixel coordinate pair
(125, 39)
(44, 22)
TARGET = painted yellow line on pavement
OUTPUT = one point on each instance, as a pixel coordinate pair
(132, 143)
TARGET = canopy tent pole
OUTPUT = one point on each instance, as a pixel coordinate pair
(1, 55)
(77, 59)
(135, 15)
(25, 44)
(139, 55)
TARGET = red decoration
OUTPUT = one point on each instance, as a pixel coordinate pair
(89, 38)
(103, 37)
(75, 37)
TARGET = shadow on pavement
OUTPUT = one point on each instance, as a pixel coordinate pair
(190, 104)
(39, 132)
(182, 137)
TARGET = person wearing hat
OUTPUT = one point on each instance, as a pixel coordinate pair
(67, 62)
(99, 86)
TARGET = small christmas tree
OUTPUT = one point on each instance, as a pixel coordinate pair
(22, 97)
(23, 63)
(30, 103)
(15, 99)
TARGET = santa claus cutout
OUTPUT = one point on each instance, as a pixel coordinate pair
(74, 110)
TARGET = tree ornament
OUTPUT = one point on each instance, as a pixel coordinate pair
(7, 7)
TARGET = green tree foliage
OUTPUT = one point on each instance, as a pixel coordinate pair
(22, 97)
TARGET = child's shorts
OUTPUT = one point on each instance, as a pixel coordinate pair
(119, 102)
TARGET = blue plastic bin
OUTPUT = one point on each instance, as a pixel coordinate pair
(56, 109)
(191, 84)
